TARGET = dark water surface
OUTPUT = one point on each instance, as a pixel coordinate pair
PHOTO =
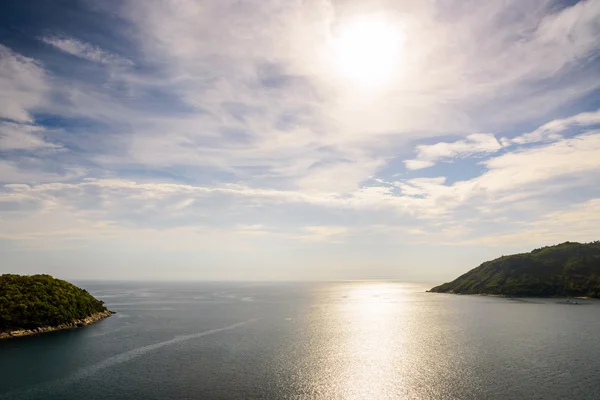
(357, 340)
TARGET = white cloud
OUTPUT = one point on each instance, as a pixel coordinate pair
(420, 186)
(85, 50)
(252, 230)
(418, 164)
(22, 85)
(524, 181)
(32, 170)
(429, 155)
(240, 99)
(478, 143)
(222, 77)
(423, 209)
(23, 137)
(322, 233)
(552, 130)
(439, 91)
(520, 170)
(341, 177)
(509, 178)
(578, 223)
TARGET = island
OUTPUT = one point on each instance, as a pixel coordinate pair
(34, 304)
(568, 269)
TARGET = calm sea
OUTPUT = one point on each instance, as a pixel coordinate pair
(351, 340)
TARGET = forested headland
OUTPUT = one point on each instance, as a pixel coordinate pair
(567, 269)
(38, 303)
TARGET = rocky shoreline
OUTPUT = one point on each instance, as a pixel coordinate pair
(511, 296)
(43, 329)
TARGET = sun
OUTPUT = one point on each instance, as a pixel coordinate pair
(367, 51)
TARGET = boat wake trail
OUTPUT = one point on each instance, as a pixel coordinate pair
(111, 361)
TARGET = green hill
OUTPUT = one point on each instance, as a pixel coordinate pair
(32, 302)
(567, 269)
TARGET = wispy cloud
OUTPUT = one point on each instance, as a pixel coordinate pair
(236, 127)
(428, 155)
(552, 130)
(23, 85)
(333, 127)
(15, 136)
(485, 144)
(323, 233)
(510, 180)
(86, 51)
(32, 170)
(581, 220)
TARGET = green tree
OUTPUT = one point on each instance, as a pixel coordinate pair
(40, 300)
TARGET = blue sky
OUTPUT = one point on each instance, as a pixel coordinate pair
(244, 140)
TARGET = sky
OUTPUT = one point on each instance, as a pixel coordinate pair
(294, 139)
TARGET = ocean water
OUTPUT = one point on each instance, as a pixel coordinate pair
(348, 340)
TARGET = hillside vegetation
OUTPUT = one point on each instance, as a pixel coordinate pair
(34, 301)
(567, 269)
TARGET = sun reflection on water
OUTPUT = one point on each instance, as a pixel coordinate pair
(369, 312)
(371, 340)
(358, 352)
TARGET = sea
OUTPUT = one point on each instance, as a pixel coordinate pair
(330, 340)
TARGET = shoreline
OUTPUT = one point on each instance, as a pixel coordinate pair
(78, 323)
(507, 296)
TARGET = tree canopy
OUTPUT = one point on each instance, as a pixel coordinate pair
(40, 300)
(567, 269)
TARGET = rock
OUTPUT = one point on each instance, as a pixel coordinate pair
(42, 329)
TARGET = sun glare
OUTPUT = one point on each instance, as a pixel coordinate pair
(367, 51)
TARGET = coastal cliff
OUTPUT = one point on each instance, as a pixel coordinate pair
(30, 305)
(567, 269)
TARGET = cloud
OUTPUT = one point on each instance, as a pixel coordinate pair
(543, 172)
(552, 130)
(340, 177)
(33, 170)
(520, 170)
(22, 85)
(297, 114)
(321, 233)
(418, 164)
(482, 144)
(420, 186)
(526, 182)
(580, 220)
(252, 230)
(276, 105)
(85, 51)
(235, 127)
(15, 136)
(522, 181)
(428, 155)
